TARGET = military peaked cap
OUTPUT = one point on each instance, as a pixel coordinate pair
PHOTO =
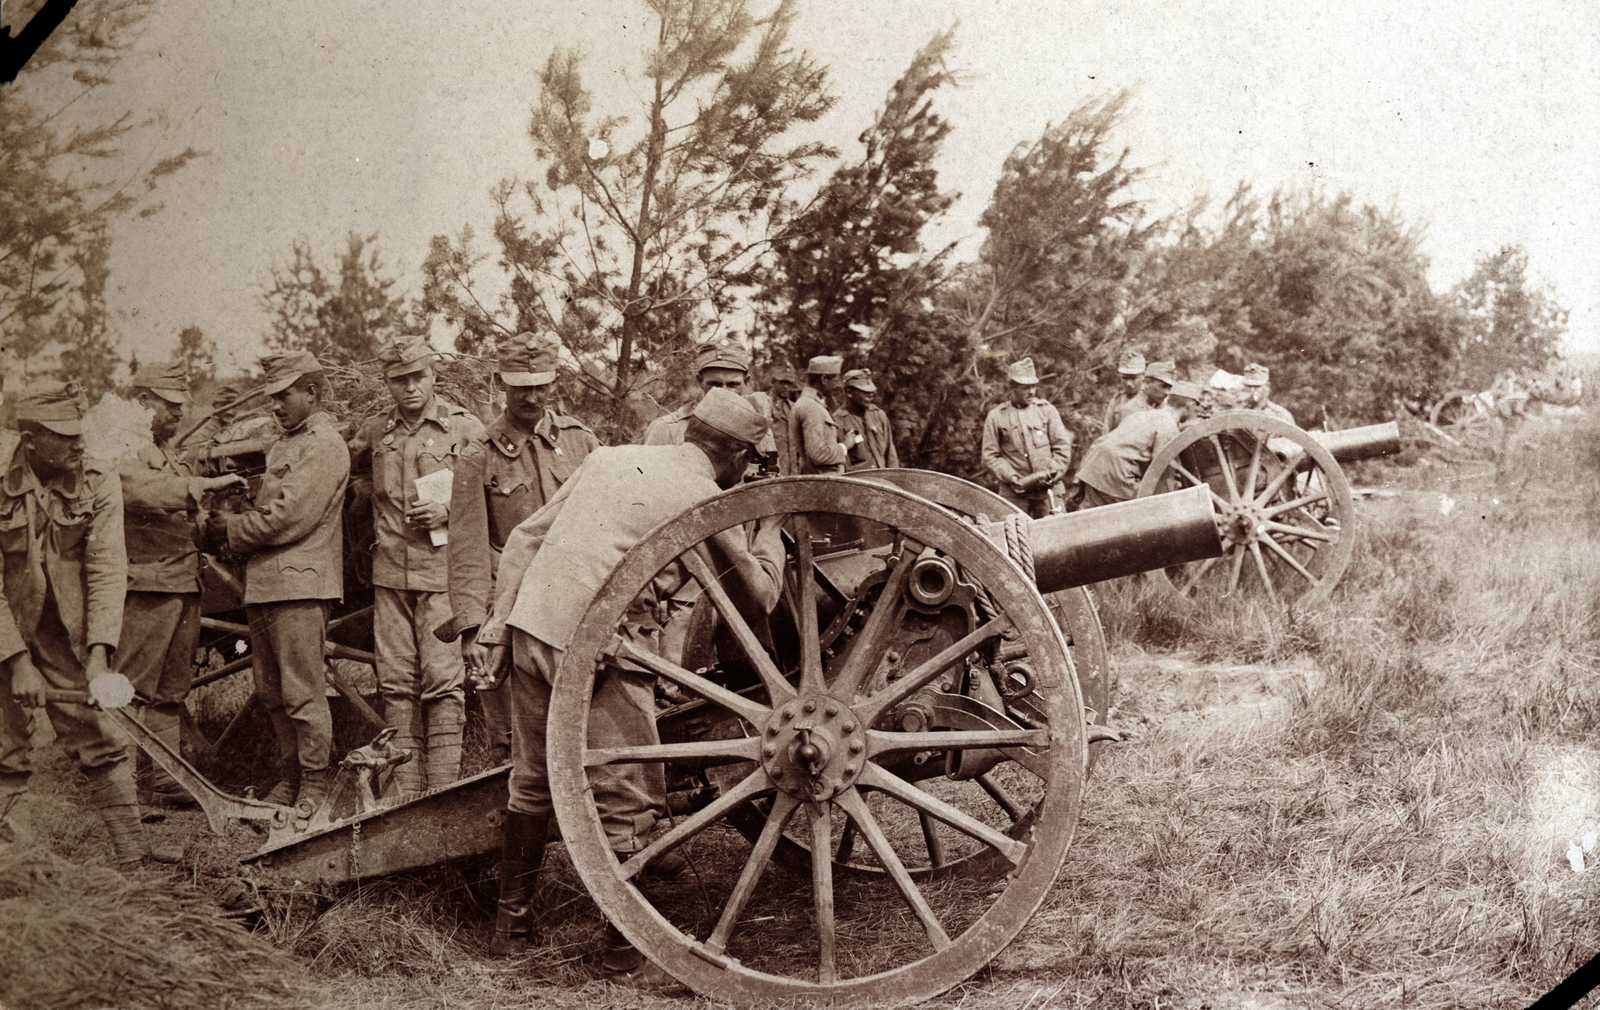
(1255, 375)
(167, 379)
(860, 378)
(1166, 371)
(529, 359)
(405, 354)
(283, 370)
(1021, 372)
(825, 364)
(724, 353)
(1184, 389)
(731, 414)
(1131, 363)
(58, 406)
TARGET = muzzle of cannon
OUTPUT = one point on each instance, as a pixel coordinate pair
(1370, 442)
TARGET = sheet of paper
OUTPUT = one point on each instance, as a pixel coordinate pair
(436, 487)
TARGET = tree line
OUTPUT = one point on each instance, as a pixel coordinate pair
(635, 233)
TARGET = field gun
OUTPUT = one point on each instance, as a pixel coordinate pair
(1288, 522)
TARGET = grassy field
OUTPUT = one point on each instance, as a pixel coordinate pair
(1367, 805)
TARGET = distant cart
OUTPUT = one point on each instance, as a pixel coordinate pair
(1284, 506)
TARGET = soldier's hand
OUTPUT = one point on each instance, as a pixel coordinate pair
(430, 515)
(27, 684)
(227, 480)
(1017, 484)
(474, 655)
(99, 663)
(490, 675)
(217, 530)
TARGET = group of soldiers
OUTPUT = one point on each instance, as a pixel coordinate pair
(490, 542)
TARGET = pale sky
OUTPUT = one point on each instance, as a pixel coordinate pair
(1477, 118)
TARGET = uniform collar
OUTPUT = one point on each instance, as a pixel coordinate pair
(316, 422)
(20, 479)
(438, 412)
(509, 439)
(814, 393)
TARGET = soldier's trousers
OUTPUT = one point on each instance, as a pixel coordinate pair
(287, 660)
(1036, 505)
(629, 798)
(86, 733)
(160, 632)
(412, 663)
(1093, 497)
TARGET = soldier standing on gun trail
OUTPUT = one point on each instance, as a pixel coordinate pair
(294, 542)
(504, 476)
(65, 572)
(1259, 393)
(863, 425)
(553, 567)
(1130, 396)
(1026, 446)
(784, 392)
(1114, 465)
(161, 497)
(719, 364)
(813, 433)
(420, 677)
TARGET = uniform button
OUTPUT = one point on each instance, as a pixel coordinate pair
(428, 442)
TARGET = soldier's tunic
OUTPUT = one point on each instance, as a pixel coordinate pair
(503, 477)
(65, 571)
(814, 435)
(1120, 407)
(1018, 441)
(1278, 411)
(781, 436)
(410, 576)
(1114, 465)
(161, 617)
(876, 448)
(554, 565)
(294, 539)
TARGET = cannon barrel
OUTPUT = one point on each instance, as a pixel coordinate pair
(1113, 541)
(1368, 442)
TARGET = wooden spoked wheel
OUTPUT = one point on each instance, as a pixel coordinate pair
(829, 739)
(1284, 508)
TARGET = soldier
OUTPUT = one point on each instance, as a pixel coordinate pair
(1114, 465)
(554, 565)
(504, 476)
(1026, 446)
(719, 364)
(863, 425)
(1129, 395)
(813, 433)
(161, 496)
(65, 572)
(785, 390)
(294, 542)
(1259, 393)
(419, 676)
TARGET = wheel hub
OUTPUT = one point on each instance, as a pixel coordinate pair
(813, 747)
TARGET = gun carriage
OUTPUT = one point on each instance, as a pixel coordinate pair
(1284, 505)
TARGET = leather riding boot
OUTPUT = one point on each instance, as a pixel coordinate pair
(446, 718)
(314, 785)
(520, 856)
(401, 714)
(114, 796)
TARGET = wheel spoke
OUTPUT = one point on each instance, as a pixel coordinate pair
(877, 777)
(868, 648)
(822, 889)
(1199, 572)
(1236, 569)
(1276, 483)
(750, 711)
(749, 788)
(810, 641)
(1228, 476)
(881, 742)
(847, 842)
(1316, 583)
(903, 688)
(853, 805)
(1300, 502)
(1261, 566)
(1255, 465)
(1196, 481)
(739, 748)
(782, 806)
(1304, 532)
(779, 690)
(931, 840)
(1002, 799)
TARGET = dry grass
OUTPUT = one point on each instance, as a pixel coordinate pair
(1368, 805)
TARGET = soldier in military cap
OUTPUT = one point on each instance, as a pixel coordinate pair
(1114, 465)
(784, 390)
(1259, 393)
(1026, 446)
(1129, 395)
(420, 677)
(813, 433)
(61, 618)
(293, 540)
(554, 565)
(719, 364)
(161, 498)
(863, 425)
(504, 476)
